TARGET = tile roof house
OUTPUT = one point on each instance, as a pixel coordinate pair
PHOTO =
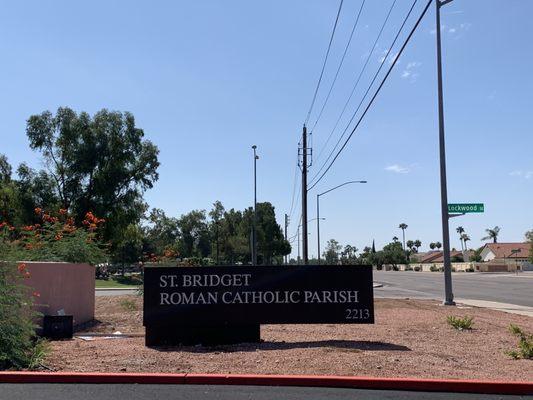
(438, 257)
(516, 252)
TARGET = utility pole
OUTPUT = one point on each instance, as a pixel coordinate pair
(448, 292)
(304, 196)
(286, 226)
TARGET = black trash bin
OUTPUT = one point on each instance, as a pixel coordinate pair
(58, 326)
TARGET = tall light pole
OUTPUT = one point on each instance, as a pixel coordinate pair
(448, 292)
(318, 211)
(254, 234)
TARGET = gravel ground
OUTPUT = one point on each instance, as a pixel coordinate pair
(410, 339)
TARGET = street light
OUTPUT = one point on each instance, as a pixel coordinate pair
(298, 233)
(318, 211)
(254, 238)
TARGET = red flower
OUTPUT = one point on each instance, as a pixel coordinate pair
(36, 294)
(21, 267)
(38, 210)
(62, 211)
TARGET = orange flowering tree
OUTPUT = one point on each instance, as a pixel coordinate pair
(55, 238)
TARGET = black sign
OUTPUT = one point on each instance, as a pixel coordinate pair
(240, 295)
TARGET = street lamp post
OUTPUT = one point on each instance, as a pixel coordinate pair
(448, 292)
(318, 211)
(254, 234)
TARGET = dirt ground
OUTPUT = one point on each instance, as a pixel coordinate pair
(409, 339)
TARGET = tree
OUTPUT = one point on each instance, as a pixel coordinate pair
(348, 255)
(403, 226)
(438, 245)
(417, 244)
(99, 164)
(410, 245)
(529, 238)
(432, 246)
(331, 254)
(394, 238)
(460, 230)
(160, 234)
(216, 214)
(394, 254)
(194, 239)
(492, 234)
(271, 243)
(465, 238)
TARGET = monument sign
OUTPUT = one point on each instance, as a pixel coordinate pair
(189, 305)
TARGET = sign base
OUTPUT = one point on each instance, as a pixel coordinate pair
(169, 335)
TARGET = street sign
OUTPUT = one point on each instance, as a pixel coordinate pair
(463, 208)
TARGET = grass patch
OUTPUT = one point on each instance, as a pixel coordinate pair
(128, 305)
(525, 344)
(461, 324)
(112, 283)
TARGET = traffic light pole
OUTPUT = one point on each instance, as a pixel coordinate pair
(448, 291)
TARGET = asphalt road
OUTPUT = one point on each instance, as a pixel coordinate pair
(187, 392)
(501, 287)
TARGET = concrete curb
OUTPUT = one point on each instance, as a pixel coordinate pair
(429, 385)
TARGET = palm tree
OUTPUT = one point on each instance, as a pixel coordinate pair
(438, 245)
(417, 244)
(403, 227)
(492, 234)
(460, 230)
(465, 238)
(432, 245)
(395, 239)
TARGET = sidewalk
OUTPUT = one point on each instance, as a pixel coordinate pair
(494, 305)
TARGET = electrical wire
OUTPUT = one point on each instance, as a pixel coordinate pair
(340, 66)
(324, 63)
(357, 81)
(376, 93)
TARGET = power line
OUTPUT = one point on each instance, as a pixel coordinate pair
(356, 82)
(324, 64)
(367, 90)
(340, 66)
(377, 91)
(294, 190)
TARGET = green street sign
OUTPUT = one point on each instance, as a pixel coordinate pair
(463, 208)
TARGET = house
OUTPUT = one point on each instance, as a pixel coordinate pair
(436, 257)
(506, 253)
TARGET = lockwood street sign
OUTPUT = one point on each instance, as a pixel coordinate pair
(466, 208)
(213, 305)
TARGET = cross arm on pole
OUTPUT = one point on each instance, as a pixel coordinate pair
(444, 2)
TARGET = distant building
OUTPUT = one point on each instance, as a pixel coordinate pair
(506, 253)
(436, 257)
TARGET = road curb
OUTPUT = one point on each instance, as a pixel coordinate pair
(429, 385)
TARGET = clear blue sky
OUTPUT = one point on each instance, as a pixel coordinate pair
(207, 79)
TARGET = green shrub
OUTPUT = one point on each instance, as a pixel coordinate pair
(408, 268)
(417, 268)
(525, 344)
(470, 269)
(56, 238)
(128, 305)
(464, 323)
(19, 346)
(433, 268)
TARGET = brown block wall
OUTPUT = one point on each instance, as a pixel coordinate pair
(63, 286)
